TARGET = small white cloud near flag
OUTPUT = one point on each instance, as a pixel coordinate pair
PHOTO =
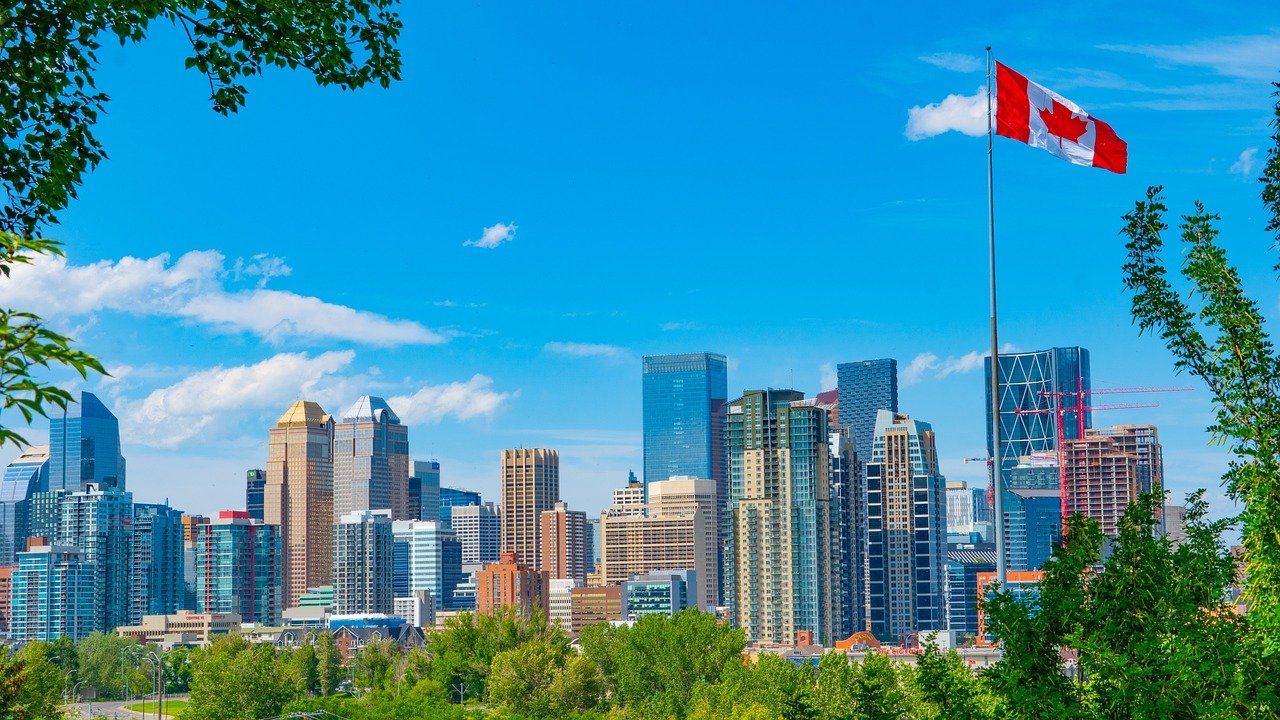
(1041, 118)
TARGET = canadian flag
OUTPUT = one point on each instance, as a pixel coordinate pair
(1042, 118)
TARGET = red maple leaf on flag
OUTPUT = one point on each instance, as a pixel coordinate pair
(1063, 123)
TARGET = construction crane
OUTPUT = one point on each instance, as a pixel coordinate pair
(1080, 409)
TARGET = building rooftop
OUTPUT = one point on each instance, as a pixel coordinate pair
(303, 413)
(370, 408)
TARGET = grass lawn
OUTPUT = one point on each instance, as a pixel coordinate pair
(171, 707)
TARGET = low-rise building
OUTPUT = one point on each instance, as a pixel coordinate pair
(595, 605)
(185, 627)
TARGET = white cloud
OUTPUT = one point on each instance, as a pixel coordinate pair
(262, 266)
(828, 374)
(168, 416)
(494, 235)
(210, 405)
(463, 400)
(192, 288)
(957, 62)
(576, 349)
(962, 113)
(1245, 164)
(1253, 57)
(928, 366)
(677, 326)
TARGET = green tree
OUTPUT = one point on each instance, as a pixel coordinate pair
(1217, 332)
(653, 666)
(772, 683)
(303, 666)
(32, 686)
(374, 665)
(949, 688)
(233, 680)
(109, 663)
(50, 103)
(520, 679)
(463, 652)
(881, 690)
(578, 686)
(328, 663)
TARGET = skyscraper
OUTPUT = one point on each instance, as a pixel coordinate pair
(255, 482)
(684, 409)
(848, 495)
(782, 565)
(479, 531)
(1033, 512)
(865, 387)
(564, 542)
(959, 507)
(428, 474)
(363, 569)
(52, 595)
(907, 530)
(371, 460)
(433, 559)
(99, 521)
(238, 568)
(24, 477)
(1107, 469)
(1028, 418)
(530, 484)
(157, 561)
(454, 497)
(298, 497)
(84, 446)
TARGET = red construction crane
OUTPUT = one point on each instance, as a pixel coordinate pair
(1079, 408)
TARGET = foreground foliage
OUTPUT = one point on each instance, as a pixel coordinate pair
(1217, 332)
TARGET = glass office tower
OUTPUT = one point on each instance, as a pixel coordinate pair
(84, 446)
(863, 388)
(1028, 420)
(684, 408)
(27, 475)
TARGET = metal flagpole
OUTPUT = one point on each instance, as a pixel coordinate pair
(997, 479)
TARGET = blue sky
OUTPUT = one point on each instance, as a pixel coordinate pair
(552, 192)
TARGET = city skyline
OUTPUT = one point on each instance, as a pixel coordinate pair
(493, 357)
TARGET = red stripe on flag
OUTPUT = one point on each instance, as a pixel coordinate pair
(1109, 151)
(1013, 109)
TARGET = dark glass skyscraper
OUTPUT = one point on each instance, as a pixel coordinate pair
(865, 386)
(157, 561)
(84, 446)
(685, 397)
(255, 483)
(1028, 423)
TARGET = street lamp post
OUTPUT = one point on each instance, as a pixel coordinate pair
(155, 666)
(159, 661)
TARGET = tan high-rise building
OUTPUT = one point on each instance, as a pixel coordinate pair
(298, 496)
(530, 484)
(781, 569)
(678, 534)
(564, 542)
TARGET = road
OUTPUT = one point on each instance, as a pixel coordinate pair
(114, 709)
